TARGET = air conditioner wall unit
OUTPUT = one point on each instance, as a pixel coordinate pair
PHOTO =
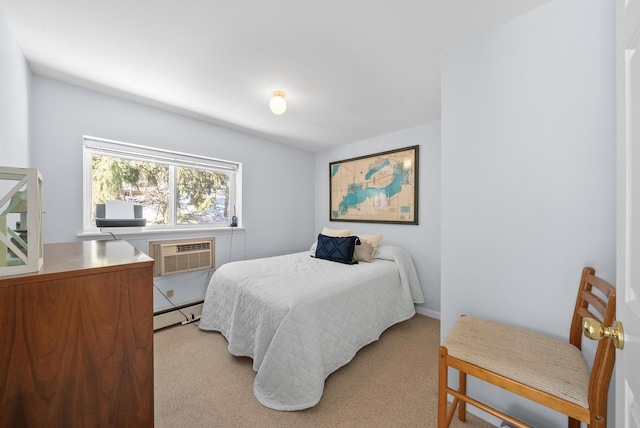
(184, 255)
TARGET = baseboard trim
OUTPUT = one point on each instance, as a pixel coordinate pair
(428, 312)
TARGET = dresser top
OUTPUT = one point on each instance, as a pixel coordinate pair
(76, 258)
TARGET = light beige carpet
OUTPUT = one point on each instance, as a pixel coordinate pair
(389, 383)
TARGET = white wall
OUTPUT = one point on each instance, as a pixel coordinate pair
(277, 180)
(528, 172)
(15, 82)
(423, 240)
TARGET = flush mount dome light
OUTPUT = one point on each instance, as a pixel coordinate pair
(277, 104)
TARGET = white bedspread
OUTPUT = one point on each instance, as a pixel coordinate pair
(302, 318)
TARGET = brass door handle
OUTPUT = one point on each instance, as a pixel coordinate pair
(596, 331)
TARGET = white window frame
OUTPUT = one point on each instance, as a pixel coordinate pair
(95, 145)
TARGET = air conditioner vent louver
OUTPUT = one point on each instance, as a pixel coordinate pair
(182, 256)
(193, 247)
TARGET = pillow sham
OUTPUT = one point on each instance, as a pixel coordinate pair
(336, 248)
(335, 232)
(363, 252)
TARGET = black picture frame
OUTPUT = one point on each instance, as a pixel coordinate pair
(377, 188)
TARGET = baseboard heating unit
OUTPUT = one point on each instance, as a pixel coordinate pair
(185, 313)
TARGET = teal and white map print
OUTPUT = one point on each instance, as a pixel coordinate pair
(376, 188)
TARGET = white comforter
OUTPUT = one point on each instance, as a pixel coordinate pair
(302, 318)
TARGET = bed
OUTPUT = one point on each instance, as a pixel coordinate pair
(301, 318)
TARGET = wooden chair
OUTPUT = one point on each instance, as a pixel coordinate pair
(541, 368)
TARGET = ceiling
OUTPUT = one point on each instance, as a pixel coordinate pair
(351, 69)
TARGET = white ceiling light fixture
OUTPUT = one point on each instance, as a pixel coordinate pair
(277, 104)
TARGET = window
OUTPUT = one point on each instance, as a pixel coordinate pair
(176, 190)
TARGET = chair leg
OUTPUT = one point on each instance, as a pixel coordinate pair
(462, 389)
(443, 379)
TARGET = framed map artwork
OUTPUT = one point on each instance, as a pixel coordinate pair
(378, 188)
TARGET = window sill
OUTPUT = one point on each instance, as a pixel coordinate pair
(136, 232)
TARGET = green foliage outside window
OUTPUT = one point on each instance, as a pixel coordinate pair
(198, 193)
(201, 195)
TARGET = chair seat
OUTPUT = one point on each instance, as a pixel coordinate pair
(531, 358)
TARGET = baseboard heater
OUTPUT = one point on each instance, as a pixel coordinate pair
(182, 314)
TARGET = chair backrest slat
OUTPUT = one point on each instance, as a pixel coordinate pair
(586, 313)
(600, 284)
(597, 303)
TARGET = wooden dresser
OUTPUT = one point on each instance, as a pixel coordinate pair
(76, 339)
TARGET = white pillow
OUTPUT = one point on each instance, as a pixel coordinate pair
(336, 232)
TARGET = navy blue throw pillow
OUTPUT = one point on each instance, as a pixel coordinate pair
(336, 249)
